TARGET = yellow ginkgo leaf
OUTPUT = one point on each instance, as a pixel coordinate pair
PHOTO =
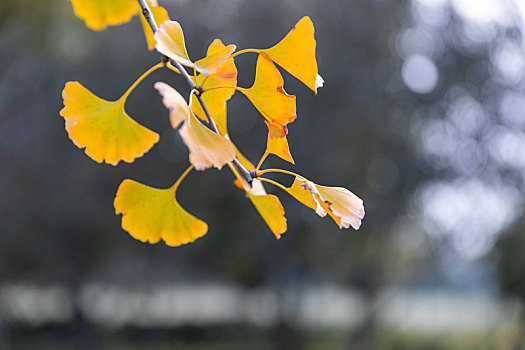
(214, 59)
(345, 208)
(277, 143)
(268, 96)
(174, 102)
(206, 148)
(160, 15)
(170, 42)
(215, 100)
(150, 214)
(296, 54)
(103, 127)
(271, 210)
(98, 14)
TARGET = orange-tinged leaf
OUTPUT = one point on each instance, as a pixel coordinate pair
(271, 210)
(268, 96)
(98, 14)
(214, 59)
(103, 127)
(215, 100)
(207, 148)
(170, 42)
(150, 214)
(160, 15)
(174, 102)
(277, 143)
(296, 54)
(345, 208)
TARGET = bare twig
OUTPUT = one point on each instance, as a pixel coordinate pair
(146, 12)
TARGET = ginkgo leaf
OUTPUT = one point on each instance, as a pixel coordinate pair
(174, 102)
(214, 59)
(345, 208)
(160, 15)
(268, 96)
(170, 42)
(206, 147)
(296, 54)
(215, 100)
(271, 210)
(103, 127)
(98, 14)
(277, 143)
(150, 214)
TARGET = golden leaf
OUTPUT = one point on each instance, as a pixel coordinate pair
(268, 96)
(271, 210)
(103, 127)
(215, 100)
(150, 214)
(206, 147)
(277, 143)
(170, 42)
(215, 58)
(98, 14)
(160, 15)
(345, 208)
(296, 54)
(174, 102)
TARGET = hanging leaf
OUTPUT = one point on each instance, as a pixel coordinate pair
(98, 14)
(174, 102)
(103, 127)
(277, 143)
(345, 208)
(150, 214)
(271, 210)
(170, 42)
(215, 58)
(268, 96)
(207, 148)
(296, 54)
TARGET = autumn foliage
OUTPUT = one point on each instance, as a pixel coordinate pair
(108, 134)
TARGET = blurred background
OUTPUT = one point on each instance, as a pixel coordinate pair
(422, 115)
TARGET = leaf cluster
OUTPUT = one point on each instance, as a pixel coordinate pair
(108, 134)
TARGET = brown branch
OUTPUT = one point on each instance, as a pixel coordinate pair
(146, 11)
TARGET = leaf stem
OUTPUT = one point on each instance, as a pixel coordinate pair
(273, 183)
(261, 161)
(259, 173)
(141, 78)
(224, 87)
(146, 11)
(246, 51)
(182, 177)
(170, 66)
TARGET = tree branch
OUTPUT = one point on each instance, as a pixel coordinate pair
(146, 12)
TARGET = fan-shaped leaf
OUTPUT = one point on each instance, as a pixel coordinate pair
(271, 210)
(268, 96)
(170, 42)
(345, 208)
(103, 127)
(296, 54)
(206, 147)
(150, 214)
(98, 14)
(277, 143)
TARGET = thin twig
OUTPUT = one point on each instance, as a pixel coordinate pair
(146, 11)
